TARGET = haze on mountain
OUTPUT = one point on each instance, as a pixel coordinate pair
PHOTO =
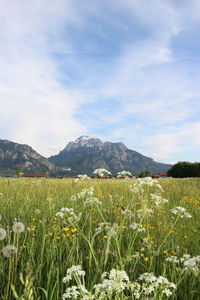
(86, 154)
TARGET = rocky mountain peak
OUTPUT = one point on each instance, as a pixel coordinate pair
(83, 141)
(86, 154)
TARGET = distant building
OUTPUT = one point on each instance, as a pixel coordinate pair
(160, 175)
(34, 175)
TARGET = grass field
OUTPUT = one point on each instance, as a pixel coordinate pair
(141, 232)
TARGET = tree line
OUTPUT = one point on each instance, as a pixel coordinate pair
(185, 169)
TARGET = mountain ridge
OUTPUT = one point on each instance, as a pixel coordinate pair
(86, 154)
(14, 155)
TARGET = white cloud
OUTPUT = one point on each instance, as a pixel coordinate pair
(157, 95)
(36, 108)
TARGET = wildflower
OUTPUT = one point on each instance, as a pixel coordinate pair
(18, 227)
(73, 198)
(136, 226)
(116, 281)
(2, 234)
(75, 291)
(60, 215)
(93, 201)
(84, 176)
(158, 200)
(153, 284)
(9, 251)
(72, 272)
(37, 211)
(126, 212)
(145, 212)
(124, 174)
(66, 229)
(69, 214)
(181, 211)
(85, 193)
(101, 173)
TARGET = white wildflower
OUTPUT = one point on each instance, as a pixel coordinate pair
(72, 272)
(60, 215)
(9, 251)
(93, 201)
(154, 285)
(2, 234)
(101, 172)
(73, 198)
(124, 174)
(84, 176)
(145, 212)
(117, 281)
(37, 211)
(136, 226)
(158, 200)
(126, 212)
(72, 292)
(85, 193)
(173, 259)
(180, 211)
(18, 227)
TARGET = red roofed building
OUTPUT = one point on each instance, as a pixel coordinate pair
(34, 175)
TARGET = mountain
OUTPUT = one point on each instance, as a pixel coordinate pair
(14, 155)
(86, 154)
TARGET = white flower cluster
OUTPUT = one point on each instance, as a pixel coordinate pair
(76, 292)
(92, 201)
(127, 212)
(136, 226)
(159, 285)
(115, 283)
(140, 183)
(181, 212)
(84, 176)
(101, 172)
(187, 263)
(124, 174)
(159, 201)
(145, 212)
(74, 271)
(111, 230)
(85, 193)
(69, 215)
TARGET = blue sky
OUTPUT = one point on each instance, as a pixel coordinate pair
(120, 70)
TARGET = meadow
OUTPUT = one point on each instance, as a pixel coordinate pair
(99, 239)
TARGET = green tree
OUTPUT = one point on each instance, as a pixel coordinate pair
(145, 173)
(19, 172)
(185, 169)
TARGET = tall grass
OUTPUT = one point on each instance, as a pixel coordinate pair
(50, 245)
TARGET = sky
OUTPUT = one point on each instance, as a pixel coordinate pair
(124, 71)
